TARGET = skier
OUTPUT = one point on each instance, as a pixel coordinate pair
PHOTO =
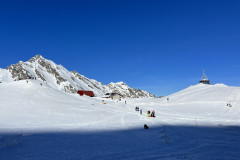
(125, 102)
(140, 111)
(148, 113)
(153, 113)
(145, 126)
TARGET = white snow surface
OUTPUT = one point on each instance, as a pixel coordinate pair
(5, 76)
(195, 123)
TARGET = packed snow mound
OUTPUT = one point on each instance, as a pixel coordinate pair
(60, 78)
(207, 93)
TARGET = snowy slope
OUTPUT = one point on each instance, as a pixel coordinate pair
(5, 76)
(198, 104)
(60, 78)
(28, 105)
(207, 93)
(46, 123)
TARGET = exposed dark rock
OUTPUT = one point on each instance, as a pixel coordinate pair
(39, 75)
(85, 80)
(18, 72)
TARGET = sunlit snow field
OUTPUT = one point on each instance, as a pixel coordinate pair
(39, 122)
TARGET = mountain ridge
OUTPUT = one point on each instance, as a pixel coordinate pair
(58, 77)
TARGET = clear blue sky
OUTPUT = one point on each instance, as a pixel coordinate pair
(159, 46)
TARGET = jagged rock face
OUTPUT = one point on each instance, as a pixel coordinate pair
(126, 91)
(86, 80)
(58, 77)
(90, 84)
(18, 72)
(41, 69)
(47, 65)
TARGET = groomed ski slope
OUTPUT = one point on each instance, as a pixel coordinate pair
(30, 106)
(39, 122)
(200, 104)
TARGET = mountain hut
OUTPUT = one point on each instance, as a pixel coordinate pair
(112, 95)
(87, 93)
(204, 79)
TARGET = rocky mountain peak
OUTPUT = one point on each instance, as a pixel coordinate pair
(58, 77)
(121, 83)
(126, 91)
(36, 58)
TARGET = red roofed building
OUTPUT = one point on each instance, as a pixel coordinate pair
(87, 93)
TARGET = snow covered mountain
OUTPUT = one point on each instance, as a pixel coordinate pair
(126, 91)
(58, 77)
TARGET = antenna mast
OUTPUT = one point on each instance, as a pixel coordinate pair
(204, 79)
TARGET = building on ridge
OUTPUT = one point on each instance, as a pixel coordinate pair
(204, 79)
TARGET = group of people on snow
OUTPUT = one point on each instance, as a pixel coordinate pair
(148, 112)
(151, 113)
(137, 109)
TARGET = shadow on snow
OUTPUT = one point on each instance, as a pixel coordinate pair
(163, 142)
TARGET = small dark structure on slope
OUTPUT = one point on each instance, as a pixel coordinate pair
(112, 96)
(204, 79)
(87, 93)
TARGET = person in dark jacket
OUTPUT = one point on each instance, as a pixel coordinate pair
(153, 113)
